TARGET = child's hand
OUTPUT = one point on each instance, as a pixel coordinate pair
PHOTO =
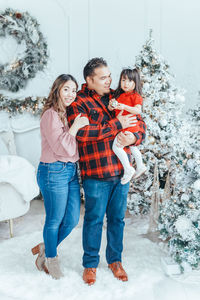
(112, 104)
(120, 106)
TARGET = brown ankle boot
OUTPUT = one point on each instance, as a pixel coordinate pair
(89, 275)
(118, 271)
(40, 250)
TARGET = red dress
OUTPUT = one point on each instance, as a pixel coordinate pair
(132, 99)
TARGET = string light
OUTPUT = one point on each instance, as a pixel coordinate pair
(30, 104)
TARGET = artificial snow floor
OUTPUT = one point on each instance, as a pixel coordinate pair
(20, 280)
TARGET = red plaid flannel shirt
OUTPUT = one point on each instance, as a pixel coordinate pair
(97, 160)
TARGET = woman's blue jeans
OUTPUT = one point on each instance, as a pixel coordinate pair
(103, 197)
(60, 189)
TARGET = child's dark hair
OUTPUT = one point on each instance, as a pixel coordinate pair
(92, 65)
(133, 75)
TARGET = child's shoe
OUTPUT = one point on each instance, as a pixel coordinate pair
(128, 174)
(140, 171)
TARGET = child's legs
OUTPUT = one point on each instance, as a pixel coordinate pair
(137, 155)
(121, 154)
(72, 211)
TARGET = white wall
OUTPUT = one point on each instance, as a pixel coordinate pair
(117, 29)
(77, 30)
(54, 26)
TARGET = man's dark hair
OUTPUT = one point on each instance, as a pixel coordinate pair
(92, 65)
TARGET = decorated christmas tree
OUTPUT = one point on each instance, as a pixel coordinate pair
(179, 219)
(162, 108)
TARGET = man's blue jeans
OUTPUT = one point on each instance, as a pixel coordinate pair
(102, 197)
(60, 188)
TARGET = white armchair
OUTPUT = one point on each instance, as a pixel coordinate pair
(18, 184)
(12, 205)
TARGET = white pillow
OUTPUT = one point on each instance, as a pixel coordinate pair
(3, 148)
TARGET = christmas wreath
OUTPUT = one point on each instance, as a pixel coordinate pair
(24, 29)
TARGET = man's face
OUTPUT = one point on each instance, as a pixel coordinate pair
(101, 81)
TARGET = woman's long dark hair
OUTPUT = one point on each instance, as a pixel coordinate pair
(54, 95)
(133, 75)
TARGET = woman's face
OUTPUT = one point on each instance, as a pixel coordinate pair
(68, 92)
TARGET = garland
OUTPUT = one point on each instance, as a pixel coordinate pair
(24, 29)
(32, 105)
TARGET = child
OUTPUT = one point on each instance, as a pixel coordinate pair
(57, 173)
(129, 100)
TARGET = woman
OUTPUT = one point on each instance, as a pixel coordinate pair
(57, 173)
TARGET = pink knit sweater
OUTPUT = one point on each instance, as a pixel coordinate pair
(57, 142)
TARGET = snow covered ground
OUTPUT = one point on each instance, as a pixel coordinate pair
(20, 280)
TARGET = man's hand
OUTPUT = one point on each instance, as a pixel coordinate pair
(125, 139)
(127, 121)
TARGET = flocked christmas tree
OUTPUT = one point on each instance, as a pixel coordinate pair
(171, 187)
(179, 219)
(162, 108)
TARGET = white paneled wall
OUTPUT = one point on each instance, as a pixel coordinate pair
(77, 30)
(53, 21)
(181, 44)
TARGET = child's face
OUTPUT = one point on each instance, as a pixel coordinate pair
(68, 92)
(127, 85)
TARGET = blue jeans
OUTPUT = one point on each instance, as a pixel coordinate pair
(60, 188)
(102, 197)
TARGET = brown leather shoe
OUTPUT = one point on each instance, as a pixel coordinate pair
(118, 271)
(89, 275)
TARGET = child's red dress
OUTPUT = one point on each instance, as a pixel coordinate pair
(132, 99)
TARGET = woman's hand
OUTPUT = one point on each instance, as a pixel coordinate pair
(79, 122)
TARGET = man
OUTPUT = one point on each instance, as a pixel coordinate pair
(101, 170)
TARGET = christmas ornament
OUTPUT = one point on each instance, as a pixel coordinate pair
(151, 139)
(191, 205)
(196, 185)
(184, 227)
(163, 122)
(114, 103)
